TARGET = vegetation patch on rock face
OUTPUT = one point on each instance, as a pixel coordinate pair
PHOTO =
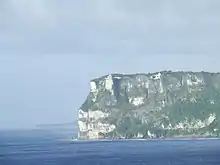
(153, 105)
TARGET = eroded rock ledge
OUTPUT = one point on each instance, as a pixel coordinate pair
(154, 105)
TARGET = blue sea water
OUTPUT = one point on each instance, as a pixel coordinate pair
(31, 148)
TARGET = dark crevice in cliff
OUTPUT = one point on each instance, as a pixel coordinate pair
(116, 88)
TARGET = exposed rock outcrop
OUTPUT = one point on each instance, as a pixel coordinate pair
(154, 105)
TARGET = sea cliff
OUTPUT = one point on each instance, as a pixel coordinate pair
(165, 104)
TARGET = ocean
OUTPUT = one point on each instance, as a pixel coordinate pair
(43, 148)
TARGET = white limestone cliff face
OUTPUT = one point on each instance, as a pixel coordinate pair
(93, 90)
(109, 83)
(194, 124)
(94, 127)
(137, 101)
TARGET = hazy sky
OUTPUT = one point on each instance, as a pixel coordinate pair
(50, 49)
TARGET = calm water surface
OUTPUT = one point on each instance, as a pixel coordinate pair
(31, 148)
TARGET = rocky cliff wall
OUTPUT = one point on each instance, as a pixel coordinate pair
(154, 105)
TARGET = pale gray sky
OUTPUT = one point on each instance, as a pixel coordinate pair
(49, 50)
